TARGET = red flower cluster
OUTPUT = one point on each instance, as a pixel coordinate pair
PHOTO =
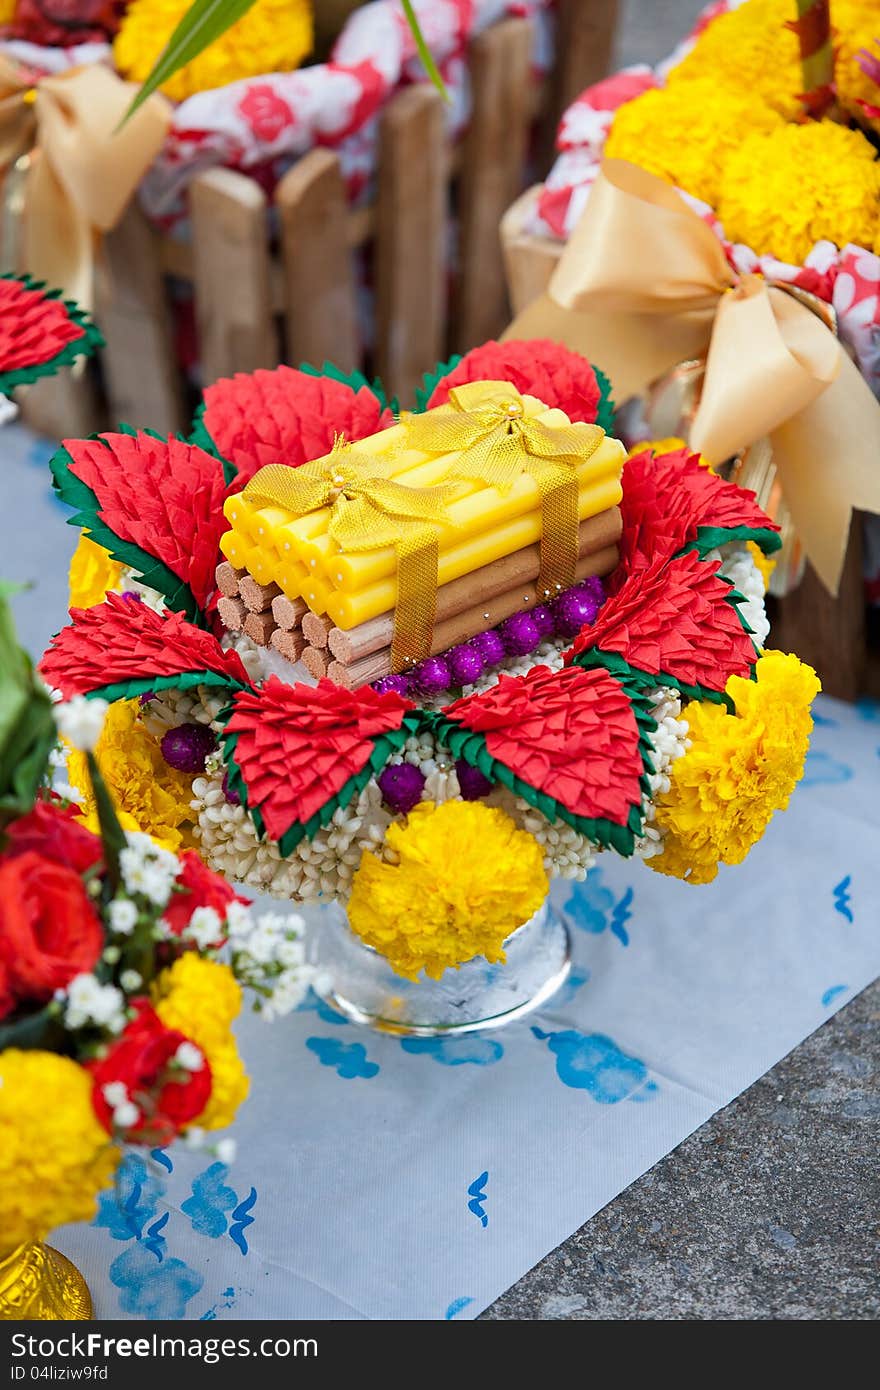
(62, 23)
(33, 329)
(286, 416)
(571, 734)
(298, 745)
(167, 1096)
(52, 830)
(49, 930)
(536, 367)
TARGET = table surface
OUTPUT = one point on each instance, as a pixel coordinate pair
(770, 1209)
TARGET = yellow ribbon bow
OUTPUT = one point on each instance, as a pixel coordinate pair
(369, 511)
(80, 170)
(643, 284)
(488, 425)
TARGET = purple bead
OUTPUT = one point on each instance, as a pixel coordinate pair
(574, 609)
(544, 621)
(401, 786)
(465, 664)
(186, 747)
(471, 781)
(147, 696)
(519, 634)
(432, 676)
(398, 684)
(230, 793)
(490, 646)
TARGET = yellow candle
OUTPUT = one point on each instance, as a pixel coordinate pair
(291, 576)
(237, 552)
(348, 610)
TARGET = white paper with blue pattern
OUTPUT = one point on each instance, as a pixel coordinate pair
(386, 1178)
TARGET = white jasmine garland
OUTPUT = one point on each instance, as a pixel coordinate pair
(80, 721)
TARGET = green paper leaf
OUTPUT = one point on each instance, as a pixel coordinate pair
(431, 380)
(605, 408)
(713, 537)
(356, 380)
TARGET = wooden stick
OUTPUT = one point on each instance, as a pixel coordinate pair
(232, 613)
(500, 577)
(259, 627)
(315, 662)
(315, 629)
(289, 644)
(228, 579)
(288, 612)
(465, 625)
(257, 597)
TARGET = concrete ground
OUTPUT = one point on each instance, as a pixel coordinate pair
(772, 1209)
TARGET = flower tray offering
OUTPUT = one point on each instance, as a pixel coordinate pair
(433, 789)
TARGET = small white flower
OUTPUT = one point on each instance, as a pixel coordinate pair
(115, 1093)
(189, 1057)
(125, 1115)
(262, 942)
(239, 920)
(204, 928)
(226, 1150)
(194, 1137)
(80, 721)
(131, 980)
(8, 410)
(90, 1002)
(290, 953)
(111, 954)
(123, 915)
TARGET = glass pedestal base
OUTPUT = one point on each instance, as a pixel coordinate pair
(359, 983)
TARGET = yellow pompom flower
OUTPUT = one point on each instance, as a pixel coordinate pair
(750, 50)
(273, 36)
(92, 574)
(55, 1156)
(785, 190)
(7, 10)
(201, 998)
(684, 133)
(148, 794)
(465, 878)
(856, 26)
(739, 769)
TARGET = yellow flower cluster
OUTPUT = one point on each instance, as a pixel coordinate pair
(54, 1155)
(685, 132)
(788, 189)
(92, 573)
(765, 564)
(666, 446)
(749, 49)
(7, 10)
(148, 794)
(739, 769)
(465, 878)
(857, 26)
(201, 998)
(272, 36)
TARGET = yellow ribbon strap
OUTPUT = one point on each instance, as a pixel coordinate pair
(643, 285)
(82, 170)
(369, 511)
(487, 426)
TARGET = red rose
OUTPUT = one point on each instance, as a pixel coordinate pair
(536, 367)
(168, 1097)
(53, 832)
(202, 888)
(49, 930)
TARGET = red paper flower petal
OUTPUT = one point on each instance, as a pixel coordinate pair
(536, 367)
(674, 619)
(122, 640)
(286, 416)
(33, 327)
(667, 499)
(164, 496)
(297, 745)
(570, 734)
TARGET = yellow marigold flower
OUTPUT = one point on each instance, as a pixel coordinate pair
(273, 36)
(7, 10)
(749, 49)
(739, 769)
(685, 132)
(201, 998)
(764, 563)
(784, 191)
(465, 878)
(856, 26)
(55, 1156)
(148, 794)
(92, 573)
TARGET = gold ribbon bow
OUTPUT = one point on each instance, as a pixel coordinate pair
(80, 170)
(369, 511)
(644, 284)
(488, 423)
